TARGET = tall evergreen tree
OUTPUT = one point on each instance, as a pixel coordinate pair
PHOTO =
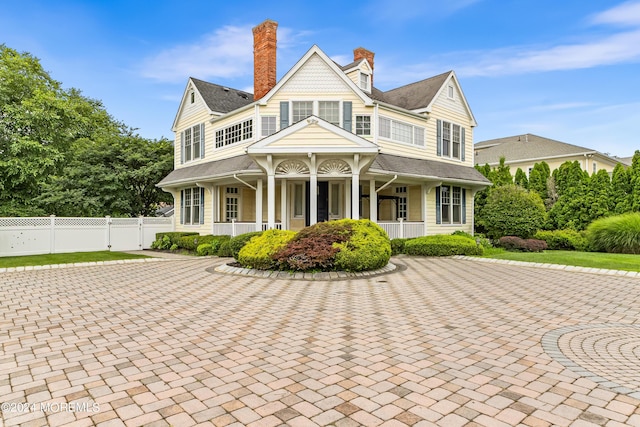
(521, 179)
(621, 190)
(538, 179)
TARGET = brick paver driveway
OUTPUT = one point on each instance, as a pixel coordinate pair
(440, 342)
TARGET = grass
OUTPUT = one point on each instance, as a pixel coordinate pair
(626, 262)
(68, 258)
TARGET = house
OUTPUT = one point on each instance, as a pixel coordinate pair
(323, 143)
(524, 151)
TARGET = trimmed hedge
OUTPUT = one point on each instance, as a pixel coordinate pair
(442, 245)
(397, 245)
(563, 239)
(514, 243)
(615, 234)
(259, 251)
(174, 236)
(238, 242)
(368, 248)
(192, 242)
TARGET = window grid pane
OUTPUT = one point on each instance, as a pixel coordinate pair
(456, 141)
(196, 142)
(301, 110)
(187, 206)
(446, 138)
(268, 125)
(363, 125)
(384, 127)
(402, 132)
(330, 111)
(187, 144)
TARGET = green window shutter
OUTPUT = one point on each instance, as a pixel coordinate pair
(284, 114)
(181, 206)
(181, 147)
(439, 138)
(346, 115)
(462, 144)
(464, 202)
(438, 207)
(202, 141)
(202, 205)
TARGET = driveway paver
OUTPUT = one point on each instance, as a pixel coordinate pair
(436, 342)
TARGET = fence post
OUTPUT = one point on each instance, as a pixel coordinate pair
(108, 232)
(140, 232)
(52, 234)
(401, 228)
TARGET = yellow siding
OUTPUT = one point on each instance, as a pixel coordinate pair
(585, 163)
(415, 204)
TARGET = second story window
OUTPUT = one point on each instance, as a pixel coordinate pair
(329, 111)
(398, 131)
(268, 125)
(192, 142)
(363, 125)
(235, 133)
(364, 81)
(450, 140)
(301, 110)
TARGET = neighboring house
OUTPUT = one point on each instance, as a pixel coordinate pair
(323, 143)
(524, 151)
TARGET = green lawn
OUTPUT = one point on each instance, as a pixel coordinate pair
(20, 261)
(582, 259)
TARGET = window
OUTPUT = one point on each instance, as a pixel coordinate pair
(329, 111)
(450, 140)
(192, 97)
(298, 200)
(364, 81)
(363, 125)
(301, 110)
(595, 167)
(401, 202)
(193, 143)
(450, 205)
(268, 125)
(231, 204)
(398, 131)
(450, 92)
(192, 206)
(235, 133)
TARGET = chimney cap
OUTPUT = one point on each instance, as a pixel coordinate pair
(265, 23)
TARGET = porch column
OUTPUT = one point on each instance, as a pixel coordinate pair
(215, 202)
(424, 192)
(355, 188)
(283, 205)
(271, 201)
(259, 205)
(313, 189)
(347, 199)
(373, 201)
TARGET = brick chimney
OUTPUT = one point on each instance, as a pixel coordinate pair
(264, 58)
(362, 53)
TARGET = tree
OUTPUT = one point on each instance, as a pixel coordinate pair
(621, 190)
(521, 179)
(538, 179)
(501, 175)
(511, 210)
(634, 182)
(39, 121)
(113, 176)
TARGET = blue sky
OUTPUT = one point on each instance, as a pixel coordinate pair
(567, 70)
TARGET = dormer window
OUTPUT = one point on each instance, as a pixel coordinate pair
(364, 81)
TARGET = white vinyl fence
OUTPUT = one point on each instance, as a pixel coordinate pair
(50, 235)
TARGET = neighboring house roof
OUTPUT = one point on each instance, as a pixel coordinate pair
(222, 99)
(217, 168)
(165, 211)
(625, 160)
(526, 147)
(426, 169)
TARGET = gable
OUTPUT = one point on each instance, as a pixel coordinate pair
(190, 112)
(315, 76)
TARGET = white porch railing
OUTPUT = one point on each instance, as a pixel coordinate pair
(50, 235)
(402, 229)
(235, 228)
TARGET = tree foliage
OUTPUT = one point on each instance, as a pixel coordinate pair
(62, 153)
(511, 210)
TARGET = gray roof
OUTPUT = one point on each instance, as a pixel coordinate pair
(222, 99)
(427, 169)
(414, 95)
(524, 147)
(214, 169)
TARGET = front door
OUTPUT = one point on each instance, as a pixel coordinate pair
(323, 202)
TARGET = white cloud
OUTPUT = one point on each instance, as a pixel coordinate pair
(627, 13)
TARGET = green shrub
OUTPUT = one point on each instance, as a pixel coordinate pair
(225, 249)
(207, 249)
(258, 252)
(563, 239)
(514, 243)
(174, 248)
(162, 243)
(397, 246)
(511, 210)
(174, 236)
(615, 234)
(442, 245)
(314, 247)
(236, 243)
(368, 248)
(462, 233)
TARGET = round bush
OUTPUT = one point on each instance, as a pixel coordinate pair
(236, 243)
(563, 239)
(442, 245)
(259, 251)
(511, 210)
(368, 248)
(615, 234)
(225, 249)
(207, 249)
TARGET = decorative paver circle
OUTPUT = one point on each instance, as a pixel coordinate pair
(608, 354)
